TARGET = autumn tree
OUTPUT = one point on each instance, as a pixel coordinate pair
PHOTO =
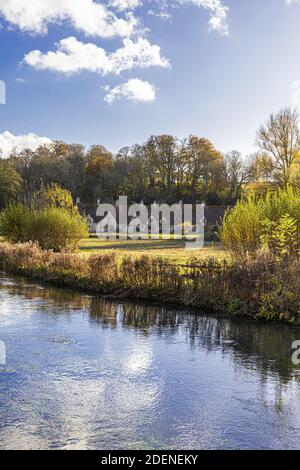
(279, 138)
(10, 183)
(99, 163)
(58, 163)
(204, 168)
(162, 155)
(237, 175)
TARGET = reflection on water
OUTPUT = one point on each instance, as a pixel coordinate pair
(84, 372)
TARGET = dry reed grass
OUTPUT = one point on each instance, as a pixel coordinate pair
(264, 287)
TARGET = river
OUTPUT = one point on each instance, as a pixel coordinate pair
(82, 372)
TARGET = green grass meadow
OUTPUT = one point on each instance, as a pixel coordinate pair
(174, 250)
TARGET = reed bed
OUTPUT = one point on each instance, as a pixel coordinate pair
(264, 287)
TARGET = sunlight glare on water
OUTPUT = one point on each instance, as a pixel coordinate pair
(87, 373)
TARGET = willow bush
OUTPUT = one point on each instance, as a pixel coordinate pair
(271, 222)
(51, 227)
(241, 229)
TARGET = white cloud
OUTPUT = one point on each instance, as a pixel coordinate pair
(217, 8)
(122, 5)
(94, 18)
(133, 90)
(98, 18)
(73, 56)
(296, 94)
(91, 17)
(219, 13)
(10, 142)
(161, 13)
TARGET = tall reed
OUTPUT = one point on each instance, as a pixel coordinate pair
(264, 287)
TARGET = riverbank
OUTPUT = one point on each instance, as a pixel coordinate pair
(261, 288)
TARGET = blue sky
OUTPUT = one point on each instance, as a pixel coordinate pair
(222, 68)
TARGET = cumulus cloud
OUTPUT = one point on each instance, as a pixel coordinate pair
(10, 142)
(133, 90)
(91, 17)
(106, 19)
(73, 56)
(94, 17)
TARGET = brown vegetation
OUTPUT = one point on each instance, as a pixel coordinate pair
(264, 287)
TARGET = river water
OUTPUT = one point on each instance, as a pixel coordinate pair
(86, 373)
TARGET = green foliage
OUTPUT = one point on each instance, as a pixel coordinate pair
(54, 196)
(57, 229)
(241, 231)
(10, 183)
(52, 227)
(271, 222)
(280, 237)
(283, 201)
(14, 223)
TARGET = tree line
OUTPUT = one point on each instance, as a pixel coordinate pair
(163, 169)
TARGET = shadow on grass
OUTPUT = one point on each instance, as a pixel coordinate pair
(134, 245)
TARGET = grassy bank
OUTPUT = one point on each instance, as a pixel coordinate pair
(264, 288)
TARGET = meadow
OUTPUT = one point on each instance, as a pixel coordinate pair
(173, 250)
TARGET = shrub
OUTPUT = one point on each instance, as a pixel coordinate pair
(14, 222)
(280, 237)
(52, 228)
(271, 222)
(54, 196)
(241, 231)
(57, 229)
